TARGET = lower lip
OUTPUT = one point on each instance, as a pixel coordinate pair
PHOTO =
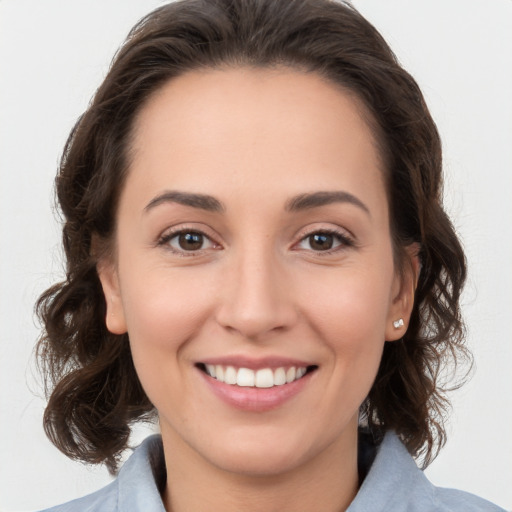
(255, 399)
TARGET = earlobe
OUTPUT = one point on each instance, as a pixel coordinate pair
(115, 319)
(403, 302)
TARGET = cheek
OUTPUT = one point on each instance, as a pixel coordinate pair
(350, 300)
(349, 312)
(164, 309)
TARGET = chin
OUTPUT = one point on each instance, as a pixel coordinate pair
(256, 461)
(267, 450)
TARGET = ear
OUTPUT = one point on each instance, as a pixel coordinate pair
(115, 318)
(403, 294)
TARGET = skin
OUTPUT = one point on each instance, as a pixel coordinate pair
(257, 287)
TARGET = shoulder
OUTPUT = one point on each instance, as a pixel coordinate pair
(452, 500)
(136, 488)
(106, 499)
(394, 482)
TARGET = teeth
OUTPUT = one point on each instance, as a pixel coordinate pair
(262, 378)
(279, 377)
(230, 375)
(244, 377)
(219, 372)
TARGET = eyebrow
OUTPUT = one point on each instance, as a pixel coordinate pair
(295, 204)
(317, 199)
(201, 201)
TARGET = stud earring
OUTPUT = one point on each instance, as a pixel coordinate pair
(398, 323)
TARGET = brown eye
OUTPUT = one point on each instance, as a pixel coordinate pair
(188, 241)
(324, 241)
(321, 241)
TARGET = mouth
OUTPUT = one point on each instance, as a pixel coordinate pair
(262, 378)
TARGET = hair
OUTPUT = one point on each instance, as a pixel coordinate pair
(94, 392)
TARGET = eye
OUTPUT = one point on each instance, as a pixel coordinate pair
(324, 241)
(187, 241)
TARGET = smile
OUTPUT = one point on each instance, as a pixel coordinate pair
(261, 378)
(256, 385)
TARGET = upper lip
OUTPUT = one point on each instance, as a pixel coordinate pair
(252, 363)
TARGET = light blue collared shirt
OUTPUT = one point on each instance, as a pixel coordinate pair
(393, 484)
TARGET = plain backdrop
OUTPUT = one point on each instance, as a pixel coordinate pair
(54, 53)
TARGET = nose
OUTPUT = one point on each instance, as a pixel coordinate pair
(256, 299)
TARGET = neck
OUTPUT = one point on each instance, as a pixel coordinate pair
(327, 483)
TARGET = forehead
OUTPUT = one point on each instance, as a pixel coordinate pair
(213, 128)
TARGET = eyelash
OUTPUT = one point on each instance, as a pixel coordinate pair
(345, 241)
(169, 235)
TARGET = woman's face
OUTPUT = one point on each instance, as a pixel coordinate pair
(253, 245)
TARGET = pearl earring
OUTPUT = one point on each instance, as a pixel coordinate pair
(398, 323)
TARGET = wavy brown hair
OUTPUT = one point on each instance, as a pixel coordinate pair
(94, 392)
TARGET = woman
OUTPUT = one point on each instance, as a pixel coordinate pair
(257, 252)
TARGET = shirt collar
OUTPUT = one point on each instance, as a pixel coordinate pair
(393, 481)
